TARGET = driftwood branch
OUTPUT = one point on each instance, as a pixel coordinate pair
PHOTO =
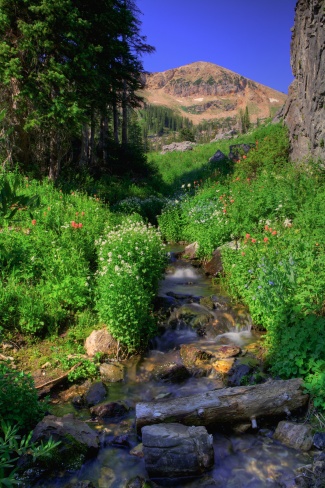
(227, 406)
(51, 383)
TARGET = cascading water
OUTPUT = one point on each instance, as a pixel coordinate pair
(246, 461)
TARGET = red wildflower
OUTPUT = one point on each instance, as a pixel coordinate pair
(266, 227)
(253, 241)
(247, 236)
(80, 225)
(243, 254)
(274, 233)
(244, 157)
(266, 239)
(33, 222)
(73, 224)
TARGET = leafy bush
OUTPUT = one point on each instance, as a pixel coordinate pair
(131, 261)
(19, 403)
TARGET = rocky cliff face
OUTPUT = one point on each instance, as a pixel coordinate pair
(304, 111)
(206, 91)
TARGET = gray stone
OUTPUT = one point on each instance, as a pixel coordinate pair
(237, 373)
(175, 450)
(298, 436)
(95, 394)
(319, 440)
(191, 250)
(218, 156)
(64, 429)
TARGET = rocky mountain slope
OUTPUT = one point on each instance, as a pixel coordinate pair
(206, 91)
(304, 112)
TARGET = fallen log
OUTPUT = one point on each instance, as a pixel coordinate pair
(227, 406)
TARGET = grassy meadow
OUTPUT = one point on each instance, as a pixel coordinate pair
(89, 254)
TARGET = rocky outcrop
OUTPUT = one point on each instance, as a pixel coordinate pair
(178, 146)
(304, 111)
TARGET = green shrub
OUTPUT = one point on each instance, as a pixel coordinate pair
(131, 261)
(19, 403)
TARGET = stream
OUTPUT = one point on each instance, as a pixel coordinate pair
(249, 460)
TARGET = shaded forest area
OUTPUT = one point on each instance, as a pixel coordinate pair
(69, 75)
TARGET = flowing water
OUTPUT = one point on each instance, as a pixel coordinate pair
(241, 461)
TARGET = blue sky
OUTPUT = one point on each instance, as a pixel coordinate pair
(250, 37)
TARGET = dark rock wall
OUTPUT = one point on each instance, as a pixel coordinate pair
(304, 111)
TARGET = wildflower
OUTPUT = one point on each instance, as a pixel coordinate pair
(287, 223)
(259, 287)
(82, 213)
(247, 236)
(33, 222)
(274, 233)
(80, 225)
(271, 283)
(266, 227)
(183, 186)
(243, 254)
(316, 244)
(189, 185)
(73, 223)
(250, 271)
(232, 201)
(244, 157)
(253, 241)
(266, 239)
(77, 213)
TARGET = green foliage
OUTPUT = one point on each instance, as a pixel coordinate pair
(13, 446)
(274, 214)
(131, 261)
(19, 403)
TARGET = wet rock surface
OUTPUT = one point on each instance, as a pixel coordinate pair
(297, 436)
(174, 450)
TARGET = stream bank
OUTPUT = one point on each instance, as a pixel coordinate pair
(197, 318)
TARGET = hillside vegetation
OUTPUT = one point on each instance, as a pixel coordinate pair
(274, 211)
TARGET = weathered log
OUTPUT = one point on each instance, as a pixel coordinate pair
(227, 406)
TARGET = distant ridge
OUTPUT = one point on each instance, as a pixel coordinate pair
(204, 91)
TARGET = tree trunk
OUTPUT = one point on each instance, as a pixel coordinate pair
(115, 123)
(124, 115)
(227, 406)
(84, 152)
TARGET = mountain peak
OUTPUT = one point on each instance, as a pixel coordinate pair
(203, 90)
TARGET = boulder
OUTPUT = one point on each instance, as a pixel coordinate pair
(214, 266)
(101, 341)
(237, 374)
(111, 372)
(171, 373)
(109, 410)
(74, 434)
(95, 394)
(191, 250)
(298, 436)
(175, 450)
(218, 156)
(178, 146)
(319, 440)
(238, 150)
